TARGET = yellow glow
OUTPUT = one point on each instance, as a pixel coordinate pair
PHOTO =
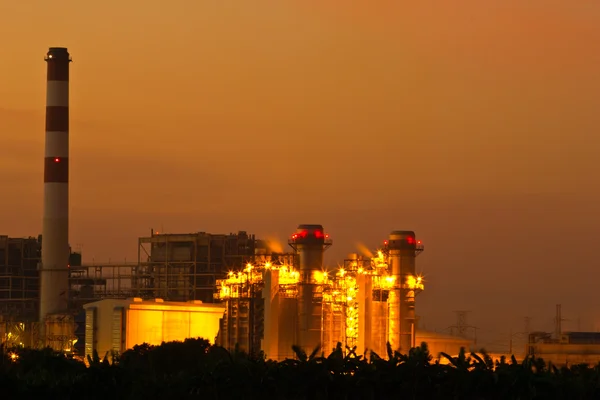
(414, 283)
(236, 283)
(154, 324)
(320, 277)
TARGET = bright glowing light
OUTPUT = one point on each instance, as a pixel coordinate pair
(321, 277)
(236, 284)
(414, 283)
(56, 160)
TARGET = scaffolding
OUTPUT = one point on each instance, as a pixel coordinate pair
(19, 277)
(183, 267)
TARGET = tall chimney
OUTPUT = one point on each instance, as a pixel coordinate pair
(402, 247)
(309, 242)
(54, 281)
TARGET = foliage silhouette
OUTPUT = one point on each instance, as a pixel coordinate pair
(194, 369)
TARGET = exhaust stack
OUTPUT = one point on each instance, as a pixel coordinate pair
(403, 250)
(54, 280)
(309, 242)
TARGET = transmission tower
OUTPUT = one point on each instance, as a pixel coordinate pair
(461, 322)
(527, 325)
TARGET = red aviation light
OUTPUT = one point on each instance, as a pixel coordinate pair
(318, 234)
(57, 160)
(410, 240)
(419, 242)
(326, 236)
(385, 242)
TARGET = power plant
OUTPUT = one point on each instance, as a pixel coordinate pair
(233, 289)
(269, 301)
(282, 300)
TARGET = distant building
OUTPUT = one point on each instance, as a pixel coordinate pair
(20, 278)
(571, 348)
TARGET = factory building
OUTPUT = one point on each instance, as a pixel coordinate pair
(569, 348)
(366, 304)
(20, 278)
(113, 326)
(182, 273)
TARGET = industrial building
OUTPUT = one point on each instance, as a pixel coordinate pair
(113, 326)
(184, 267)
(176, 267)
(570, 348)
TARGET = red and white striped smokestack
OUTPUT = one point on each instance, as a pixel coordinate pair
(54, 289)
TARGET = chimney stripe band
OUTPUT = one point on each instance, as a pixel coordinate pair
(58, 208)
(58, 71)
(57, 93)
(57, 119)
(57, 144)
(56, 169)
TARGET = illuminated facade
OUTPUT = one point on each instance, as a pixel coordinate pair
(364, 305)
(113, 326)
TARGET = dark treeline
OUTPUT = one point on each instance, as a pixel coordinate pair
(196, 370)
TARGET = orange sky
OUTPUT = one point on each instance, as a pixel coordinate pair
(475, 123)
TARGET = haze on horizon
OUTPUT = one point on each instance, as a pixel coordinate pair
(473, 123)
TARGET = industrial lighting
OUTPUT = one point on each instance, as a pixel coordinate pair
(57, 159)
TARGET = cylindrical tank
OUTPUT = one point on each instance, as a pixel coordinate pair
(54, 285)
(310, 243)
(402, 247)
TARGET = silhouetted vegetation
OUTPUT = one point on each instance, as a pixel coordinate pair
(194, 369)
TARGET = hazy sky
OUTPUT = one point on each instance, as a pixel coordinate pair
(474, 123)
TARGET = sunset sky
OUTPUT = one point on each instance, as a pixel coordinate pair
(474, 123)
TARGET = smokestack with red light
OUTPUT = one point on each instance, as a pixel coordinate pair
(54, 280)
(403, 249)
(309, 242)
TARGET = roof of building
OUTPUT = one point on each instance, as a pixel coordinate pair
(158, 303)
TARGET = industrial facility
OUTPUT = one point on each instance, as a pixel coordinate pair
(232, 289)
(275, 302)
(268, 301)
